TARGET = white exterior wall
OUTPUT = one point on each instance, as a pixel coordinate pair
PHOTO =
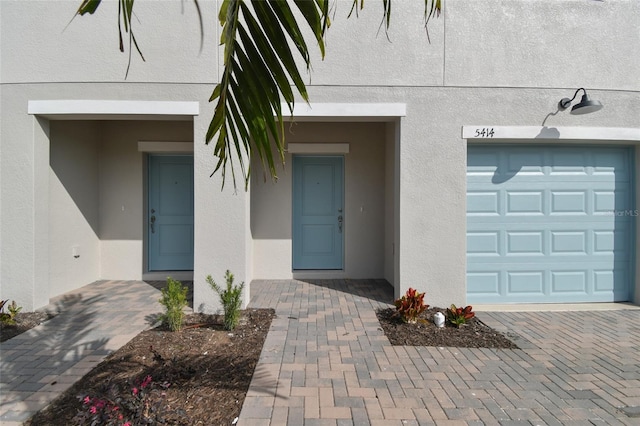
(74, 209)
(495, 62)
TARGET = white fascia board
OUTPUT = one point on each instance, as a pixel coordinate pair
(345, 111)
(489, 132)
(109, 109)
(318, 148)
(165, 147)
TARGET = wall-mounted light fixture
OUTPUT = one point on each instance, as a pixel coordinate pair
(585, 106)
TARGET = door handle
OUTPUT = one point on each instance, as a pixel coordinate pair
(152, 222)
(340, 223)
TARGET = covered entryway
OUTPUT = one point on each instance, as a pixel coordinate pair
(549, 224)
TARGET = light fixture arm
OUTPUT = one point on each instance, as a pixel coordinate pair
(566, 102)
(585, 106)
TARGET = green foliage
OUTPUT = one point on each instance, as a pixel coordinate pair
(410, 306)
(14, 309)
(459, 316)
(174, 299)
(260, 72)
(231, 300)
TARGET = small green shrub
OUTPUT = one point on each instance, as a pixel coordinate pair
(459, 316)
(14, 309)
(410, 306)
(174, 299)
(230, 299)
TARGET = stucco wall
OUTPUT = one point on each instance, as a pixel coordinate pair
(365, 198)
(74, 205)
(496, 62)
(39, 44)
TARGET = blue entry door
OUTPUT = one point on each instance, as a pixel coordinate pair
(170, 213)
(318, 212)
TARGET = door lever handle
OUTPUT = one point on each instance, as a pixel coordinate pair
(152, 222)
(340, 223)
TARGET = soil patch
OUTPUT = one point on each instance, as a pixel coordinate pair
(24, 321)
(200, 375)
(474, 334)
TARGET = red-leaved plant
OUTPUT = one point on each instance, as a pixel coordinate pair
(410, 306)
(142, 402)
(459, 316)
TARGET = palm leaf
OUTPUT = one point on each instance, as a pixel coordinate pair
(259, 72)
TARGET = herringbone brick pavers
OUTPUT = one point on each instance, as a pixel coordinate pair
(327, 361)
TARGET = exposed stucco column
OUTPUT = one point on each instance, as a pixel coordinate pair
(24, 215)
(432, 241)
(222, 235)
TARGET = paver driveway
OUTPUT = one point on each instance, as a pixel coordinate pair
(326, 361)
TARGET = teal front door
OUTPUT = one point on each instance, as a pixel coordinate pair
(318, 212)
(170, 213)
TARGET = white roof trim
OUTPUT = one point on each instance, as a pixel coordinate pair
(108, 109)
(161, 147)
(318, 148)
(346, 111)
(488, 132)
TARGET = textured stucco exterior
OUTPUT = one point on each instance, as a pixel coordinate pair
(79, 181)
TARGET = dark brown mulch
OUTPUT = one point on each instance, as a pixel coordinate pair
(24, 321)
(208, 370)
(474, 334)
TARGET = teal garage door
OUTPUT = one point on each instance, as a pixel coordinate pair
(549, 224)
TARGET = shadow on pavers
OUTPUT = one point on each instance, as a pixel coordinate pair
(34, 360)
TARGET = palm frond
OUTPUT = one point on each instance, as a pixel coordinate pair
(259, 72)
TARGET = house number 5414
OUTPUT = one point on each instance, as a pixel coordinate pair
(484, 132)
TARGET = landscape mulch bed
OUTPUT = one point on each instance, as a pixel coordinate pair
(207, 369)
(474, 334)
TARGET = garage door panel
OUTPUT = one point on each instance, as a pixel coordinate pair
(549, 224)
(525, 203)
(562, 242)
(484, 283)
(483, 203)
(569, 242)
(538, 285)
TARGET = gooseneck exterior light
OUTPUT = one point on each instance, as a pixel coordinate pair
(585, 106)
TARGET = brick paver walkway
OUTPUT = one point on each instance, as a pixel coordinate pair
(327, 362)
(40, 364)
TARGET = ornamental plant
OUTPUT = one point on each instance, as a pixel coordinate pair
(142, 402)
(409, 306)
(174, 299)
(459, 316)
(230, 298)
(14, 309)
